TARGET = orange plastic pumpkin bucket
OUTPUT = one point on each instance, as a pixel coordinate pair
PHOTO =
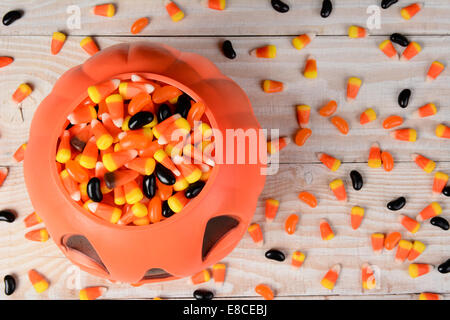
(204, 232)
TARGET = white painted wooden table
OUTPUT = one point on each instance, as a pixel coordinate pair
(249, 24)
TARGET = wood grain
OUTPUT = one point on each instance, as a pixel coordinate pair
(241, 17)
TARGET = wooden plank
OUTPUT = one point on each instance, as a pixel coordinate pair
(241, 17)
(246, 264)
(338, 59)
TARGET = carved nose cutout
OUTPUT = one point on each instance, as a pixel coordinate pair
(82, 245)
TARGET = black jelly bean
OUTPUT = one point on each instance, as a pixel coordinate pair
(10, 284)
(165, 210)
(396, 204)
(444, 267)
(357, 180)
(440, 222)
(399, 39)
(7, 216)
(12, 16)
(202, 294)
(403, 98)
(163, 113)
(94, 191)
(274, 254)
(279, 6)
(183, 105)
(194, 189)
(149, 186)
(327, 8)
(140, 119)
(228, 51)
(387, 3)
(164, 175)
(446, 191)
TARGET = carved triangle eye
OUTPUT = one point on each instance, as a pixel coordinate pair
(216, 229)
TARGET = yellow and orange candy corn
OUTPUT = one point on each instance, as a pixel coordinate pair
(215, 4)
(133, 193)
(367, 277)
(174, 11)
(162, 157)
(297, 259)
(89, 46)
(374, 156)
(82, 114)
(419, 269)
(114, 104)
(424, 163)
(302, 40)
(58, 39)
(303, 114)
(410, 224)
(377, 240)
(331, 277)
(104, 10)
(264, 291)
(3, 174)
(353, 86)
(429, 296)
(443, 131)
(356, 32)
(412, 50)
(392, 122)
(19, 154)
(387, 160)
(271, 209)
(4, 61)
(403, 250)
(272, 86)
(88, 158)
(310, 71)
(432, 210)
(277, 145)
(145, 166)
(388, 49)
(200, 277)
(128, 90)
(92, 293)
(255, 232)
(23, 91)
(103, 139)
(427, 110)
(31, 220)
(338, 188)
(99, 92)
(308, 198)
(328, 109)
(218, 273)
(407, 134)
(367, 116)
(38, 281)
(115, 160)
(291, 224)
(177, 201)
(105, 212)
(325, 230)
(439, 182)
(417, 249)
(434, 71)
(38, 235)
(410, 11)
(302, 135)
(70, 185)
(268, 52)
(356, 217)
(391, 240)
(64, 152)
(329, 161)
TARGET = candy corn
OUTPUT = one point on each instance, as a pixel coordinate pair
(338, 188)
(403, 249)
(443, 131)
(32, 219)
(129, 90)
(23, 91)
(412, 50)
(39, 283)
(271, 209)
(58, 40)
(419, 269)
(303, 114)
(264, 291)
(103, 139)
(200, 277)
(308, 198)
(4, 61)
(177, 201)
(410, 11)
(328, 109)
(325, 230)
(356, 216)
(105, 10)
(297, 259)
(310, 71)
(162, 157)
(417, 249)
(330, 278)
(404, 134)
(367, 116)
(277, 145)
(301, 136)
(367, 277)
(88, 158)
(356, 32)
(255, 232)
(64, 152)
(353, 86)
(388, 49)
(215, 4)
(291, 223)
(70, 185)
(377, 240)
(114, 104)
(100, 91)
(82, 114)
(113, 161)
(429, 296)
(133, 192)
(19, 154)
(434, 71)
(173, 10)
(302, 40)
(272, 86)
(439, 182)
(424, 163)
(105, 212)
(89, 46)
(410, 224)
(218, 273)
(374, 156)
(432, 210)
(145, 166)
(427, 110)
(92, 293)
(391, 240)
(392, 122)
(39, 235)
(269, 51)
(330, 162)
